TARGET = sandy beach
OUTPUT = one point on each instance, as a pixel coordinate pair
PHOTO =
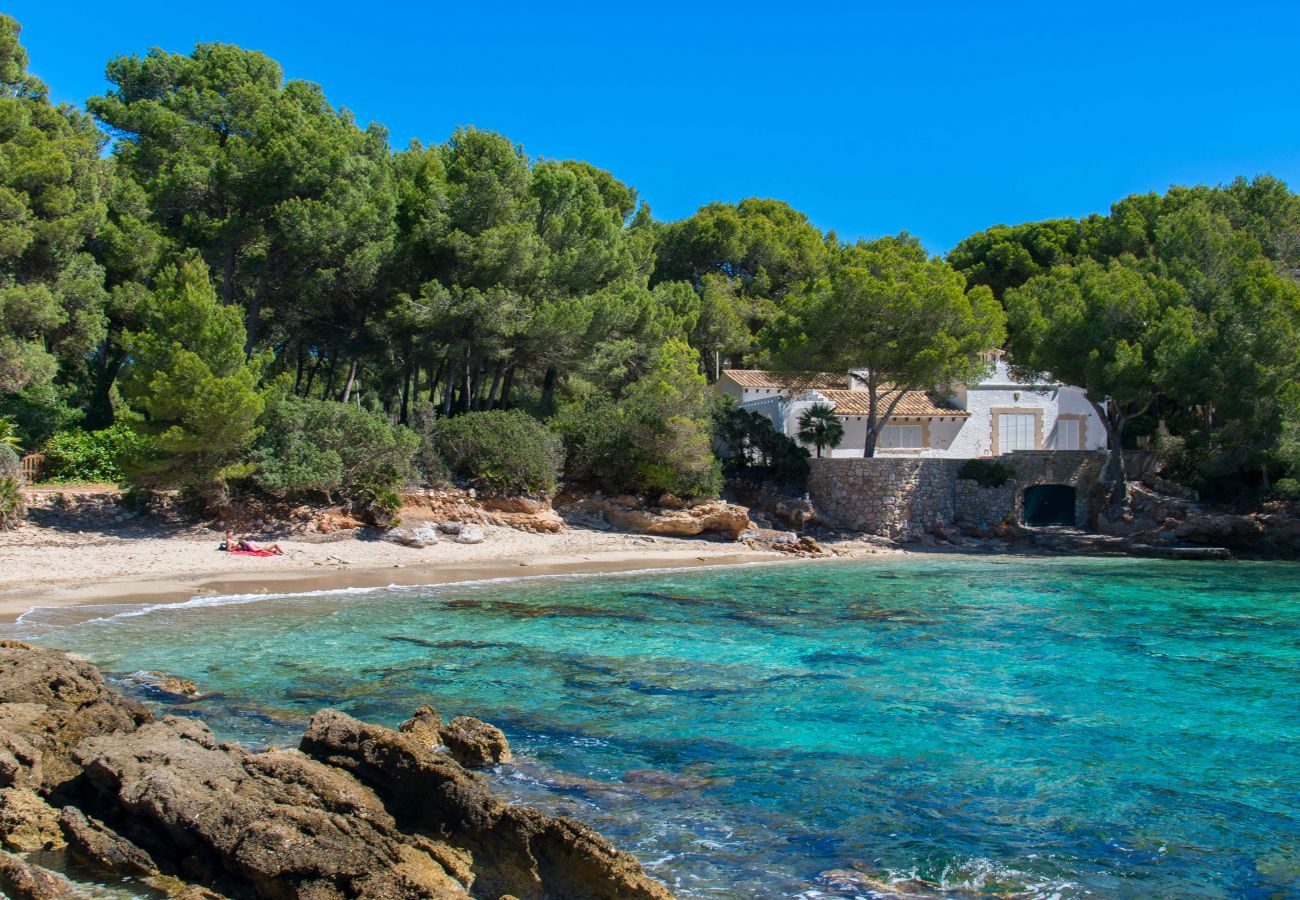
(41, 566)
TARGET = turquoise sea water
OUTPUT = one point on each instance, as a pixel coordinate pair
(1030, 727)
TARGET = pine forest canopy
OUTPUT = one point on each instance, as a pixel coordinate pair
(465, 278)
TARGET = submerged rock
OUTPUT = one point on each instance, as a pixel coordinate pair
(171, 684)
(21, 880)
(475, 743)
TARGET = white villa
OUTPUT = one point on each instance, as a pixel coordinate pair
(993, 416)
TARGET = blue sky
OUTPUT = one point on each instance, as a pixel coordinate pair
(935, 118)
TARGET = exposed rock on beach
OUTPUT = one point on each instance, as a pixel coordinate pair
(357, 810)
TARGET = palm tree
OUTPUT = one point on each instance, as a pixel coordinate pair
(9, 432)
(819, 426)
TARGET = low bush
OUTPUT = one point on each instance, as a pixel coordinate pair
(11, 498)
(90, 455)
(11, 503)
(323, 447)
(429, 464)
(1288, 487)
(987, 472)
(10, 465)
(608, 445)
(505, 451)
(751, 447)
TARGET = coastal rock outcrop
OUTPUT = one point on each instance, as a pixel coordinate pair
(100, 847)
(690, 520)
(358, 811)
(450, 504)
(463, 532)
(474, 743)
(415, 536)
(423, 726)
(275, 822)
(27, 822)
(512, 849)
(781, 542)
(50, 702)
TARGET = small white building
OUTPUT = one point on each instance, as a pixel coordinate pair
(990, 417)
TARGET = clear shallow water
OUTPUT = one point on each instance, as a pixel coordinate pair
(1033, 727)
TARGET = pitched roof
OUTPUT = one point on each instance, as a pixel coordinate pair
(913, 403)
(762, 378)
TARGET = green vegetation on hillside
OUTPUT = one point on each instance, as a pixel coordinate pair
(251, 292)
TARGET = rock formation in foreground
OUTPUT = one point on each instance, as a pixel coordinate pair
(357, 811)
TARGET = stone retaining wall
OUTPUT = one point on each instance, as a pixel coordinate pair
(898, 498)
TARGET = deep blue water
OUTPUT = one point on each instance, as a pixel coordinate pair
(1023, 726)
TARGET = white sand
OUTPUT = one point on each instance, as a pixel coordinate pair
(42, 566)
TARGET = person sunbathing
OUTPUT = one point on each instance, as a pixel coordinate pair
(247, 546)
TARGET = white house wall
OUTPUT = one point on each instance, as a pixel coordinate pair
(949, 436)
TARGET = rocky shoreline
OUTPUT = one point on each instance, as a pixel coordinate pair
(355, 811)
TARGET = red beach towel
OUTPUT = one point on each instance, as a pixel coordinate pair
(253, 552)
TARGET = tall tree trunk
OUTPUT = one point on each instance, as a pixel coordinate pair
(253, 318)
(1115, 476)
(405, 415)
(491, 400)
(873, 424)
(446, 391)
(548, 390)
(464, 385)
(352, 378)
(329, 384)
(302, 359)
(228, 277)
(506, 385)
(435, 376)
(311, 376)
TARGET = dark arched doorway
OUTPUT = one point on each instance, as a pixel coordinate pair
(1049, 504)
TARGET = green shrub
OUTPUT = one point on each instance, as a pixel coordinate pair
(655, 439)
(194, 387)
(11, 497)
(505, 451)
(597, 450)
(323, 447)
(986, 472)
(429, 464)
(1288, 487)
(751, 446)
(9, 433)
(10, 464)
(11, 502)
(90, 455)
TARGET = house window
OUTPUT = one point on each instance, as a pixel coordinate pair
(900, 437)
(1067, 434)
(1016, 431)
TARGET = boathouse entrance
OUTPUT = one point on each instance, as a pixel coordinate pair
(1049, 504)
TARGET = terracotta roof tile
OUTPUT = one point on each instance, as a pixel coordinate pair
(914, 403)
(761, 378)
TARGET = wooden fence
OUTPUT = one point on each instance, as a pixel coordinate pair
(33, 466)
